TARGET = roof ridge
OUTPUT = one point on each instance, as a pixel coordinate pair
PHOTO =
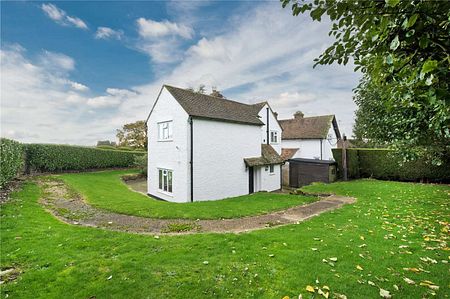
(314, 116)
(207, 95)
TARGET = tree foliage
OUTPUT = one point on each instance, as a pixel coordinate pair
(133, 135)
(402, 49)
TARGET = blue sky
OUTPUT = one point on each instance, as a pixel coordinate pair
(73, 72)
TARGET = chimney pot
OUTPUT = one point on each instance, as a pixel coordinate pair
(298, 115)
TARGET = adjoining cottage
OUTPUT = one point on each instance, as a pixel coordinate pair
(204, 147)
(306, 138)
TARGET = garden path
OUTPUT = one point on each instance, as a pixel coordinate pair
(72, 209)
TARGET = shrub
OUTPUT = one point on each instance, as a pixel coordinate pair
(11, 160)
(52, 157)
(386, 164)
(141, 163)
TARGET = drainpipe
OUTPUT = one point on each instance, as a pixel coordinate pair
(191, 125)
(267, 125)
(321, 149)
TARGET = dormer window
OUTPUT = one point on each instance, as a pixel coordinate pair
(273, 136)
(165, 131)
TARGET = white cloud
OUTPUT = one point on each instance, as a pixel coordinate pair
(148, 28)
(162, 41)
(78, 86)
(60, 16)
(41, 105)
(77, 22)
(57, 61)
(114, 98)
(108, 33)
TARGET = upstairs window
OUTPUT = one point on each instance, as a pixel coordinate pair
(165, 180)
(273, 136)
(165, 131)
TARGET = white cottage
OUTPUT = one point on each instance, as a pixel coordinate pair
(309, 137)
(204, 147)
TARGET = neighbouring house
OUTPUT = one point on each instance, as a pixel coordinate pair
(308, 138)
(204, 147)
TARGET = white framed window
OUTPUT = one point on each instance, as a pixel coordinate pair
(165, 131)
(273, 136)
(165, 177)
(271, 169)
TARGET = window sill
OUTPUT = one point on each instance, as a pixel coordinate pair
(273, 173)
(165, 192)
(165, 140)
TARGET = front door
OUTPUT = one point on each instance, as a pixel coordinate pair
(251, 181)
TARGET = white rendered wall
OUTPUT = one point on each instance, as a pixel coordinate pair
(273, 126)
(265, 181)
(219, 152)
(173, 155)
(310, 148)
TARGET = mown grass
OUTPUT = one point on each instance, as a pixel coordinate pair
(60, 261)
(106, 190)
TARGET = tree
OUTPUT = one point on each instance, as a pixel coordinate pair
(133, 135)
(402, 49)
(200, 89)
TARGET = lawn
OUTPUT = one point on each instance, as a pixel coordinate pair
(106, 190)
(394, 238)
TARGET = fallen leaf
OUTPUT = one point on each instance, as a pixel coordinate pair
(333, 259)
(310, 289)
(324, 294)
(412, 270)
(385, 294)
(409, 281)
(359, 267)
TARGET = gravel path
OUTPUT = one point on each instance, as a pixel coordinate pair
(74, 210)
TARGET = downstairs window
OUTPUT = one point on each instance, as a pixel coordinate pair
(165, 180)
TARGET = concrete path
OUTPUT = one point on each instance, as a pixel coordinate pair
(76, 211)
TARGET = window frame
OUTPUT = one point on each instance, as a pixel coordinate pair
(165, 181)
(274, 133)
(161, 130)
(271, 169)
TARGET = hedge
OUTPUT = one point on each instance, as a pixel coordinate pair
(385, 164)
(55, 158)
(11, 160)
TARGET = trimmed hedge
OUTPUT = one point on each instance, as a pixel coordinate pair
(55, 158)
(385, 164)
(11, 160)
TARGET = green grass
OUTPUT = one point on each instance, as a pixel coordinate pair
(59, 260)
(106, 190)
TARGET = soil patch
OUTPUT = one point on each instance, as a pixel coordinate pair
(71, 208)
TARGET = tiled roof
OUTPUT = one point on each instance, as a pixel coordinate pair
(268, 156)
(210, 107)
(315, 127)
(288, 153)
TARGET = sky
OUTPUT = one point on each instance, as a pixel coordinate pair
(74, 72)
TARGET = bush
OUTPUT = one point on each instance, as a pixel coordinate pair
(11, 160)
(387, 165)
(54, 158)
(141, 163)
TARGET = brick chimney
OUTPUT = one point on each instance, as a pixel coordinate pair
(298, 115)
(216, 93)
